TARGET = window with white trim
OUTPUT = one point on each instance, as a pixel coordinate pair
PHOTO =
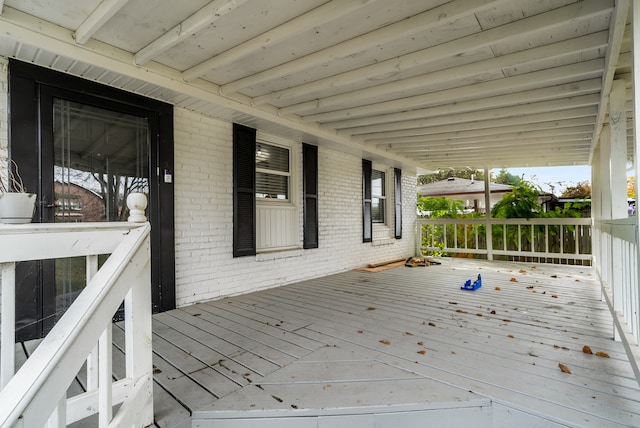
(273, 172)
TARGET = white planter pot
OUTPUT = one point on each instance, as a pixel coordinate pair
(17, 207)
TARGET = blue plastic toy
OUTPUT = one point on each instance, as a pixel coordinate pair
(472, 286)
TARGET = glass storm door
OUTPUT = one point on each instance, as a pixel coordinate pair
(99, 157)
(82, 148)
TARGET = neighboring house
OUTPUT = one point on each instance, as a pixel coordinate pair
(74, 203)
(470, 192)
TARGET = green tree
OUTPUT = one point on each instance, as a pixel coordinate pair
(505, 177)
(521, 202)
(440, 207)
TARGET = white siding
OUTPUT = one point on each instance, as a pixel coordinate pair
(205, 268)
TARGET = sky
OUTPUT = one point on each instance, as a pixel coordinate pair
(552, 179)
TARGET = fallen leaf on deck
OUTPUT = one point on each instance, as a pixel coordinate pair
(506, 320)
(196, 315)
(461, 311)
(497, 288)
(479, 314)
(422, 352)
(420, 343)
(564, 368)
(371, 309)
(432, 324)
(384, 342)
(453, 303)
(555, 296)
(511, 336)
(586, 350)
(360, 331)
(493, 312)
(577, 280)
(602, 354)
(453, 353)
(513, 279)
(554, 276)
(408, 334)
(522, 271)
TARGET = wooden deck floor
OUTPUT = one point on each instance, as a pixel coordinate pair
(396, 348)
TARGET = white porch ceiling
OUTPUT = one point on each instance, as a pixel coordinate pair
(426, 83)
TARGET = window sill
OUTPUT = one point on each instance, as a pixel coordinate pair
(279, 254)
(382, 241)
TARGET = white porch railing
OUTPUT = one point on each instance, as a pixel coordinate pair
(617, 265)
(555, 240)
(36, 395)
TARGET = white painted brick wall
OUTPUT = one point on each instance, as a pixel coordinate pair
(205, 268)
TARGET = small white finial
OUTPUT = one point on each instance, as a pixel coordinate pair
(137, 203)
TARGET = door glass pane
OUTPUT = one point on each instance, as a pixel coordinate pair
(100, 156)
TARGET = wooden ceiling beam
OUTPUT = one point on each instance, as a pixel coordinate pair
(97, 19)
(549, 93)
(434, 80)
(204, 17)
(544, 22)
(565, 142)
(523, 82)
(447, 131)
(288, 30)
(572, 103)
(471, 137)
(446, 13)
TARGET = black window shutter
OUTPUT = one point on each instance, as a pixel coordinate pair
(244, 190)
(367, 221)
(397, 197)
(310, 191)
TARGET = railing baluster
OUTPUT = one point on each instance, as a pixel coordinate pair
(92, 359)
(8, 320)
(105, 405)
(58, 418)
(519, 239)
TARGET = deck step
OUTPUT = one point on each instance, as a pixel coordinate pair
(334, 387)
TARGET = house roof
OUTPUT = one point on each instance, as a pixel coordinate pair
(460, 186)
(425, 83)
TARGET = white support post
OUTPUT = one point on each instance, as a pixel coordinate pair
(596, 212)
(605, 201)
(8, 323)
(618, 183)
(487, 214)
(138, 336)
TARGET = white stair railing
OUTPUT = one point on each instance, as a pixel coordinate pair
(36, 395)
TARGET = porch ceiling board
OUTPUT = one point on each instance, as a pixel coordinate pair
(350, 74)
